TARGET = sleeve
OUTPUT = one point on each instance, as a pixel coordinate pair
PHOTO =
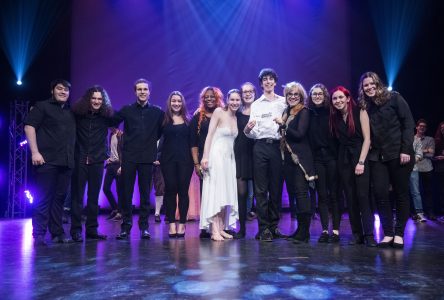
(407, 124)
(430, 145)
(298, 130)
(254, 133)
(35, 116)
(159, 148)
(160, 123)
(193, 132)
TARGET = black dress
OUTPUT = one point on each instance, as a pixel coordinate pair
(243, 149)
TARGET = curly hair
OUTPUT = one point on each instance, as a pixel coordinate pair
(335, 115)
(83, 106)
(169, 112)
(382, 93)
(201, 110)
(326, 103)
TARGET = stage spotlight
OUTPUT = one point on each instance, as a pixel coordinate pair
(29, 196)
(19, 82)
(22, 143)
(390, 88)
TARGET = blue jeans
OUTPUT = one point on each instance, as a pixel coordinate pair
(414, 191)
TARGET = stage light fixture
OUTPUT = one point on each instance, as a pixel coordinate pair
(29, 196)
(19, 82)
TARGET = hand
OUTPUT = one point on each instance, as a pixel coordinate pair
(250, 126)
(119, 171)
(204, 164)
(279, 121)
(156, 163)
(404, 158)
(198, 170)
(359, 169)
(37, 159)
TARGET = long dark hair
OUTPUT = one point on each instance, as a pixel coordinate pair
(83, 106)
(335, 115)
(169, 112)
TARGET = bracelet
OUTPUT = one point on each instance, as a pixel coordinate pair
(360, 163)
(196, 164)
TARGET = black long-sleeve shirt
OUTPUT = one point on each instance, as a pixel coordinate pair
(176, 144)
(91, 143)
(392, 129)
(142, 129)
(322, 142)
(197, 139)
(55, 128)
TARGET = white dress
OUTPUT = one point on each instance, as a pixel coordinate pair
(219, 183)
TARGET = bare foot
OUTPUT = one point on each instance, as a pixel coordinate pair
(226, 235)
(217, 237)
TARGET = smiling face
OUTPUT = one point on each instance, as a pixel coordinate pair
(176, 103)
(60, 93)
(96, 101)
(268, 83)
(369, 86)
(318, 97)
(248, 94)
(209, 100)
(234, 102)
(142, 92)
(340, 101)
(293, 97)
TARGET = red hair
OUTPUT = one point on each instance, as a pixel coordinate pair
(219, 103)
(335, 115)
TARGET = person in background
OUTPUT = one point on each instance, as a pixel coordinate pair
(439, 164)
(50, 129)
(415, 192)
(391, 156)
(112, 173)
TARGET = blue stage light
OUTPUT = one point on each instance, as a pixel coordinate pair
(390, 88)
(19, 82)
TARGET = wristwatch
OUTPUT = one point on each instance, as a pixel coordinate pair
(360, 163)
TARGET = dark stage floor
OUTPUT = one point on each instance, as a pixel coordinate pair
(190, 268)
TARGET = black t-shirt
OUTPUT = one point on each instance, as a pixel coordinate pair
(199, 135)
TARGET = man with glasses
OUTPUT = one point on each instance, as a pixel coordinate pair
(267, 155)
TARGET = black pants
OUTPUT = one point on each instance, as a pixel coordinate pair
(110, 176)
(426, 181)
(267, 184)
(382, 174)
(356, 190)
(177, 177)
(289, 177)
(327, 187)
(144, 172)
(85, 174)
(296, 182)
(51, 185)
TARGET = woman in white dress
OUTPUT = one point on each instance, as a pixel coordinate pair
(219, 193)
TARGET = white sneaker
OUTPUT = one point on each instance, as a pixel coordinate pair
(421, 218)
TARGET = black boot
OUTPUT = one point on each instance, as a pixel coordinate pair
(303, 231)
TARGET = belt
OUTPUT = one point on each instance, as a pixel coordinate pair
(268, 141)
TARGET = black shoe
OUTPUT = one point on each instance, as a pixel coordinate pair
(386, 244)
(157, 218)
(370, 241)
(145, 234)
(230, 232)
(300, 239)
(77, 237)
(356, 240)
(266, 236)
(398, 245)
(96, 236)
(180, 235)
(39, 240)
(239, 235)
(334, 238)
(123, 235)
(61, 239)
(172, 235)
(324, 238)
(278, 235)
(204, 234)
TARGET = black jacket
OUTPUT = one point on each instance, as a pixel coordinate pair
(392, 129)
(322, 142)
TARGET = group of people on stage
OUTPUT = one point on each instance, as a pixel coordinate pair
(320, 140)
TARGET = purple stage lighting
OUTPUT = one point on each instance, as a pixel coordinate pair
(29, 196)
(22, 143)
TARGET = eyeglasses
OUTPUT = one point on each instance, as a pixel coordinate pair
(248, 92)
(290, 95)
(317, 94)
